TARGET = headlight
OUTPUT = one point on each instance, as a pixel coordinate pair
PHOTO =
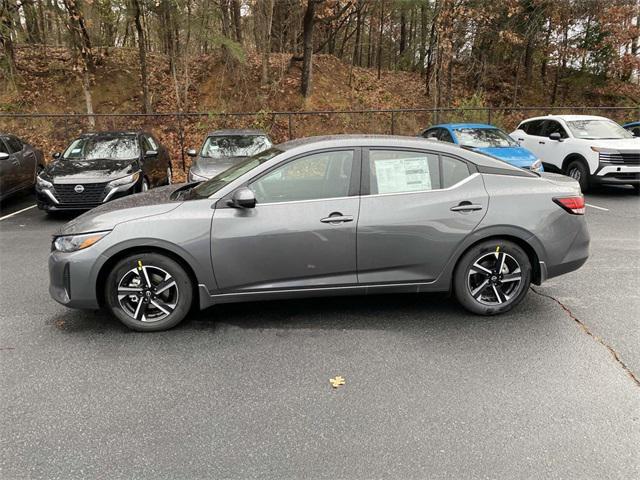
(536, 166)
(129, 179)
(73, 243)
(194, 177)
(42, 183)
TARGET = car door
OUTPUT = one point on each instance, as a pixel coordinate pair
(149, 162)
(530, 136)
(553, 151)
(302, 232)
(25, 163)
(9, 167)
(416, 208)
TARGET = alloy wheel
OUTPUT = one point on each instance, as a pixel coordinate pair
(494, 278)
(148, 293)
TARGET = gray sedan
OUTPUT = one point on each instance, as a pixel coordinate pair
(325, 216)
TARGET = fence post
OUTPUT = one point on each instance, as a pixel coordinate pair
(181, 137)
(489, 115)
(289, 135)
(393, 122)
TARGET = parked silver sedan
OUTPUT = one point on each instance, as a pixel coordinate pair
(325, 216)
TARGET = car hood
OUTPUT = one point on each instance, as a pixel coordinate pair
(210, 167)
(131, 207)
(625, 144)
(518, 156)
(76, 171)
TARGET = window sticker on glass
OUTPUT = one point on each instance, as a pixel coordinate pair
(403, 175)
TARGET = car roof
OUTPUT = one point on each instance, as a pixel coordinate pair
(303, 145)
(566, 117)
(463, 125)
(236, 131)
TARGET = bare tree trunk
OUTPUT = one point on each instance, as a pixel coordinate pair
(237, 19)
(142, 55)
(307, 60)
(380, 39)
(264, 23)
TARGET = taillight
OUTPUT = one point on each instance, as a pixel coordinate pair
(573, 205)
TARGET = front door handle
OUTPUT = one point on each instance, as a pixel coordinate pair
(466, 207)
(521, 139)
(541, 143)
(337, 218)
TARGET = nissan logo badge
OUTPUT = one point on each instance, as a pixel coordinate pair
(78, 189)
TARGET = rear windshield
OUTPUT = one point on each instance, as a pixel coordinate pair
(224, 146)
(103, 148)
(484, 137)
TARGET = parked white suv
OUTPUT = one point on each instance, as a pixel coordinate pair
(593, 150)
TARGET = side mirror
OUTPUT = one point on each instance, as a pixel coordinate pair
(56, 155)
(555, 136)
(243, 198)
(192, 152)
(151, 153)
(4, 155)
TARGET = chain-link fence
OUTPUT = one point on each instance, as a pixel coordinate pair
(181, 131)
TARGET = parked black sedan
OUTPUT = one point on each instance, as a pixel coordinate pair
(99, 167)
(19, 165)
(223, 149)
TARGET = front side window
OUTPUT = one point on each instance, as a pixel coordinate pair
(597, 129)
(433, 133)
(393, 171)
(225, 146)
(214, 184)
(103, 148)
(484, 137)
(3, 147)
(316, 176)
(554, 127)
(15, 144)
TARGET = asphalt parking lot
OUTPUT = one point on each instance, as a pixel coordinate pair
(549, 390)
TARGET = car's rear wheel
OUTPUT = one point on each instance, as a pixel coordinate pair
(492, 277)
(148, 292)
(579, 171)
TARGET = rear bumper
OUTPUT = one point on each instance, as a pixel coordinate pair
(573, 255)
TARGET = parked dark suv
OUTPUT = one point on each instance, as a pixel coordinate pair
(99, 167)
(19, 164)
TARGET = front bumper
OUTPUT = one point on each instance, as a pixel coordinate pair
(617, 174)
(72, 280)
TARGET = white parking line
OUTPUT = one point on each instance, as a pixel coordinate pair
(597, 207)
(15, 213)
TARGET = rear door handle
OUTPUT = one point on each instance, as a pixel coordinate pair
(521, 139)
(337, 219)
(541, 143)
(466, 207)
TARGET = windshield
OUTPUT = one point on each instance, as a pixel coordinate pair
(484, 137)
(221, 146)
(211, 186)
(598, 129)
(109, 148)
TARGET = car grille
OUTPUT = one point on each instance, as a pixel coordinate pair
(92, 195)
(620, 158)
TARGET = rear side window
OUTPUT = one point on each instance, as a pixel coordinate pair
(3, 147)
(433, 133)
(453, 171)
(393, 171)
(533, 127)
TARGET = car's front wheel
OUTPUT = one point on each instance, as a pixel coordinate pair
(492, 277)
(148, 292)
(579, 172)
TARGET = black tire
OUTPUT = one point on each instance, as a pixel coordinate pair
(176, 301)
(464, 279)
(636, 189)
(579, 171)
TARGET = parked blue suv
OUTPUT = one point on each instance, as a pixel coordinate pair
(485, 139)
